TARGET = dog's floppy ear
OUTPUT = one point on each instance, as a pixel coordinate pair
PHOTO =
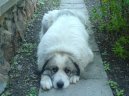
(43, 68)
(77, 67)
(45, 64)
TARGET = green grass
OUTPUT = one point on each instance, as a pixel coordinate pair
(115, 88)
(110, 17)
(121, 47)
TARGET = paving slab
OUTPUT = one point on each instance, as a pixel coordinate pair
(95, 70)
(73, 4)
(94, 81)
(90, 87)
(72, 1)
(93, 44)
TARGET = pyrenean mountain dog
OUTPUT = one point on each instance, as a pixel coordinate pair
(63, 51)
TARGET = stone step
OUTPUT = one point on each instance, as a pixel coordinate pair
(72, 4)
(72, 1)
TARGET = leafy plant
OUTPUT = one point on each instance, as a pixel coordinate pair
(113, 84)
(115, 87)
(119, 92)
(110, 16)
(127, 1)
(121, 47)
(106, 66)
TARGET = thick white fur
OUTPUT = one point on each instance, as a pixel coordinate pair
(64, 33)
(52, 16)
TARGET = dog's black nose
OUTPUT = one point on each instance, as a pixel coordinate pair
(60, 84)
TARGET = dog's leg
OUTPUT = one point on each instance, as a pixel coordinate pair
(74, 79)
(46, 82)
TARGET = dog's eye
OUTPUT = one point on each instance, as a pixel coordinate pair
(54, 69)
(67, 71)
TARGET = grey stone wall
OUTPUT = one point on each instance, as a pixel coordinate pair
(12, 30)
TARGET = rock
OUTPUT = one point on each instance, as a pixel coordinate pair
(3, 82)
(4, 69)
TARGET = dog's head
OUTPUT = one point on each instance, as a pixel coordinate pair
(60, 68)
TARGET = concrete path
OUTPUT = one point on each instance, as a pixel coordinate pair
(94, 80)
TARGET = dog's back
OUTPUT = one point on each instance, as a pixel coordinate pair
(67, 29)
(66, 34)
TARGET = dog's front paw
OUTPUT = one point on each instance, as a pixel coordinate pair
(74, 79)
(46, 83)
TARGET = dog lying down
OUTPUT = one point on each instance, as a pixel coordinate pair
(63, 51)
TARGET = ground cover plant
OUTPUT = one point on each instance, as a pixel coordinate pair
(111, 23)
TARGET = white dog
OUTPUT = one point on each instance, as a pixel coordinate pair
(63, 51)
